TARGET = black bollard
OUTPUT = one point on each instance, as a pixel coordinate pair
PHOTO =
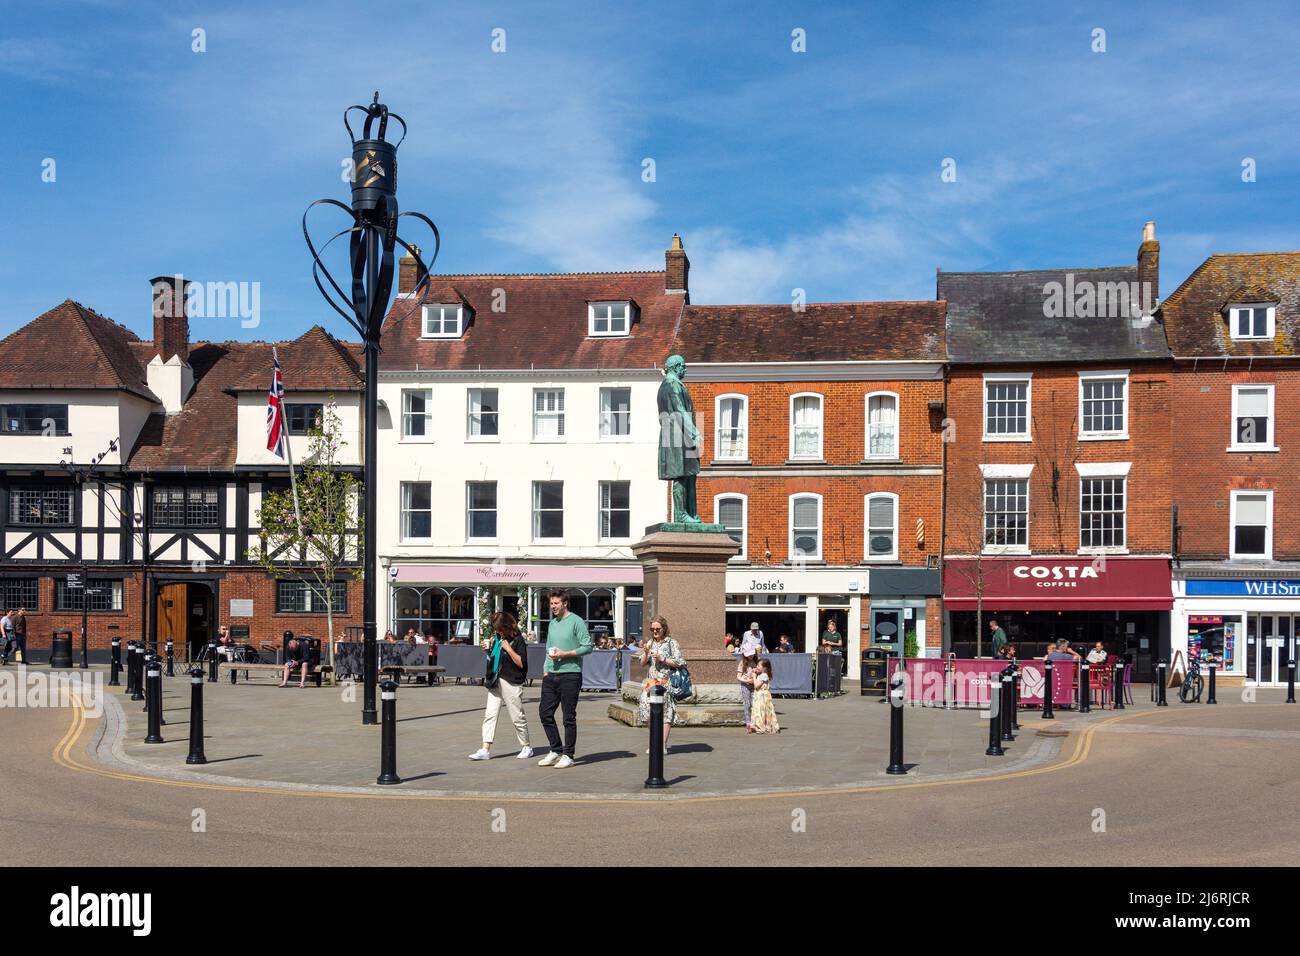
(154, 681)
(1118, 703)
(896, 765)
(196, 754)
(1007, 735)
(388, 733)
(137, 672)
(212, 662)
(1290, 681)
(171, 661)
(995, 722)
(1212, 699)
(115, 662)
(1047, 691)
(1160, 675)
(656, 777)
(1085, 692)
(1015, 694)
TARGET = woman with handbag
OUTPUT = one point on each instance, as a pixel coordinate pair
(666, 666)
(506, 671)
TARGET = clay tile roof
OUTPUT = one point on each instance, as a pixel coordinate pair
(1001, 317)
(72, 347)
(1195, 315)
(313, 362)
(543, 324)
(823, 332)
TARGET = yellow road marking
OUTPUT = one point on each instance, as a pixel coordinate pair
(63, 756)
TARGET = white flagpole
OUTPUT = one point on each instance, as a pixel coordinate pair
(288, 448)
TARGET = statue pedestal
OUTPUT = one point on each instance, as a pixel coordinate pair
(685, 567)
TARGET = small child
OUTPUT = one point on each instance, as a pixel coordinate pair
(763, 714)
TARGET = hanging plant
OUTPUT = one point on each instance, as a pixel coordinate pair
(484, 598)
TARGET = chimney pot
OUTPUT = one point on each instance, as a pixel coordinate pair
(171, 323)
(677, 268)
(1148, 265)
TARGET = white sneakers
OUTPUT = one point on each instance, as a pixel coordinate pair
(549, 759)
(481, 754)
(565, 761)
(524, 754)
(559, 762)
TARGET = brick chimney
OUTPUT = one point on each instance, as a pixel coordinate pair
(171, 324)
(1149, 264)
(410, 270)
(677, 268)
(168, 373)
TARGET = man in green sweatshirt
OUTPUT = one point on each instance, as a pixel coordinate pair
(567, 641)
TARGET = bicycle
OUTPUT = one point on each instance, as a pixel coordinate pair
(1190, 691)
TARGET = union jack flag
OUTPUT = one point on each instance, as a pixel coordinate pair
(275, 430)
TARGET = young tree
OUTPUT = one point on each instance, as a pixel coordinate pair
(320, 541)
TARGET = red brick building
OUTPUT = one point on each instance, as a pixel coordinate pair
(170, 438)
(1057, 475)
(822, 455)
(1234, 329)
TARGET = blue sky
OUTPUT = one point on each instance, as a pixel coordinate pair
(817, 170)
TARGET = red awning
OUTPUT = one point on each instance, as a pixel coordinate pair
(1024, 583)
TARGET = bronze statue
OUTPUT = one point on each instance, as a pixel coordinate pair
(680, 443)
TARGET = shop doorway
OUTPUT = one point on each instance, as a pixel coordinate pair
(887, 628)
(183, 614)
(1269, 646)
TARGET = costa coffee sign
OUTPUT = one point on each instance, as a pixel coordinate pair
(1009, 582)
(1055, 575)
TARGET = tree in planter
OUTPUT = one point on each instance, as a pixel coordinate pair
(911, 648)
(319, 540)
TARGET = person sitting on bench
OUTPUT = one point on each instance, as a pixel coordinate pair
(295, 654)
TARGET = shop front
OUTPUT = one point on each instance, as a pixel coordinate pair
(1124, 602)
(801, 603)
(1245, 621)
(454, 602)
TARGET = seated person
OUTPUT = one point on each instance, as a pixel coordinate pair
(225, 644)
(1098, 654)
(295, 655)
(1061, 652)
(1008, 651)
(784, 646)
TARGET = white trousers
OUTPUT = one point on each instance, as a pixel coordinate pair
(513, 697)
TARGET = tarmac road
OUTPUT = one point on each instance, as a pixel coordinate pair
(1180, 786)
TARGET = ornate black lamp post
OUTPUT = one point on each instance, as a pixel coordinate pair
(372, 238)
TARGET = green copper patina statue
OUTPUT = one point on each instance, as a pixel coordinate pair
(680, 443)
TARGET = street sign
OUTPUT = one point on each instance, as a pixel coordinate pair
(74, 581)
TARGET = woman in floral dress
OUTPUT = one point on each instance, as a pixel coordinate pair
(663, 655)
(763, 715)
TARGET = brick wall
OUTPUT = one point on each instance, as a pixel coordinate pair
(1054, 522)
(843, 444)
(1205, 474)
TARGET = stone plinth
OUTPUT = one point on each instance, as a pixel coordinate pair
(685, 569)
(715, 705)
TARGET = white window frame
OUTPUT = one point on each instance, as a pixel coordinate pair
(601, 413)
(1270, 445)
(469, 412)
(496, 510)
(534, 511)
(744, 427)
(561, 415)
(866, 527)
(1270, 321)
(1018, 472)
(1091, 470)
(442, 334)
(610, 333)
(995, 377)
(821, 526)
(427, 437)
(866, 414)
(1122, 434)
(744, 520)
(600, 510)
(821, 426)
(1268, 527)
(404, 510)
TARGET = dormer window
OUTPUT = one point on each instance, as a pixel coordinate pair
(609, 318)
(1251, 321)
(444, 321)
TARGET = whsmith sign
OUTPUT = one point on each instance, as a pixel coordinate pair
(1246, 587)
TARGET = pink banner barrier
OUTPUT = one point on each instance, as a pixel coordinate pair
(925, 680)
(1033, 678)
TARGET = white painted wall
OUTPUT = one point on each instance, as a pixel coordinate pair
(95, 417)
(252, 427)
